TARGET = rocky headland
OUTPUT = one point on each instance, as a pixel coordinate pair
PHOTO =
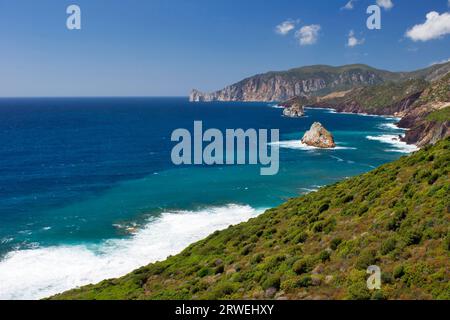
(412, 96)
(312, 81)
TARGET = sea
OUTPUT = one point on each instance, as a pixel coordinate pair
(88, 190)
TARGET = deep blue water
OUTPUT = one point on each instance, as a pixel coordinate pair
(77, 171)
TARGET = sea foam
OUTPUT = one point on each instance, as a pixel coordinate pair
(297, 144)
(394, 141)
(42, 272)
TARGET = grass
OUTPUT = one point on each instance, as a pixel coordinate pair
(319, 245)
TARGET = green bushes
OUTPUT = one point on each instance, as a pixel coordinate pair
(335, 243)
(413, 237)
(359, 291)
(203, 272)
(395, 223)
(366, 259)
(301, 237)
(304, 265)
(304, 282)
(257, 258)
(272, 281)
(399, 272)
(388, 245)
(324, 256)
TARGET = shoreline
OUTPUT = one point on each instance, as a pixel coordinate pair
(125, 257)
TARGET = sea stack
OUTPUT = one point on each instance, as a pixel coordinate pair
(319, 137)
(293, 108)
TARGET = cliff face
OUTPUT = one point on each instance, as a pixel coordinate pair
(310, 81)
(259, 88)
(428, 120)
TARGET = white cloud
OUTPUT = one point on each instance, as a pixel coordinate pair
(285, 27)
(308, 35)
(386, 4)
(352, 40)
(436, 26)
(351, 4)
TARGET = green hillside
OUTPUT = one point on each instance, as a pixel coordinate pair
(319, 245)
(441, 115)
(379, 98)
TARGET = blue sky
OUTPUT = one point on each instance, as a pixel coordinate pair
(168, 47)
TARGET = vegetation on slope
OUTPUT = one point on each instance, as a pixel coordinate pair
(319, 245)
(378, 99)
(437, 92)
(440, 116)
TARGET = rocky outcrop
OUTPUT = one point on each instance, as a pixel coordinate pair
(427, 132)
(311, 81)
(429, 119)
(293, 108)
(318, 137)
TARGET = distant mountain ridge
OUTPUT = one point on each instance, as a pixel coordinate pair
(313, 81)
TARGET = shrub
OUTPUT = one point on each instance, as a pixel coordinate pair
(219, 269)
(203, 272)
(433, 179)
(318, 226)
(413, 237)
(378, 295)
(399, 272)
(386, 277)
(302, 266)
(304, 282)
(247, 249)
(388, 245)
(366, 258)
(324, 256)
(272, 282)
(359, 291)
(223, 289)
(447, 242)
(257, 258)
(335, 243)
(324, 207)
(395, 222)
(301, 237)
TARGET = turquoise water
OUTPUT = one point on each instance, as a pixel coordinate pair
(88, 190)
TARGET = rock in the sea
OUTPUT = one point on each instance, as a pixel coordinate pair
(293, 112)
(293, 107)
(318, 137)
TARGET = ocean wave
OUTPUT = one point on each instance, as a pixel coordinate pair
(387, 117)
(390, 126)
(297, 144)
(394, 140)
(42, 272)
(276, 106)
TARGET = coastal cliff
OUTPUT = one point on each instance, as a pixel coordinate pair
(421, 105)
(312, 81)
(429, 118)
